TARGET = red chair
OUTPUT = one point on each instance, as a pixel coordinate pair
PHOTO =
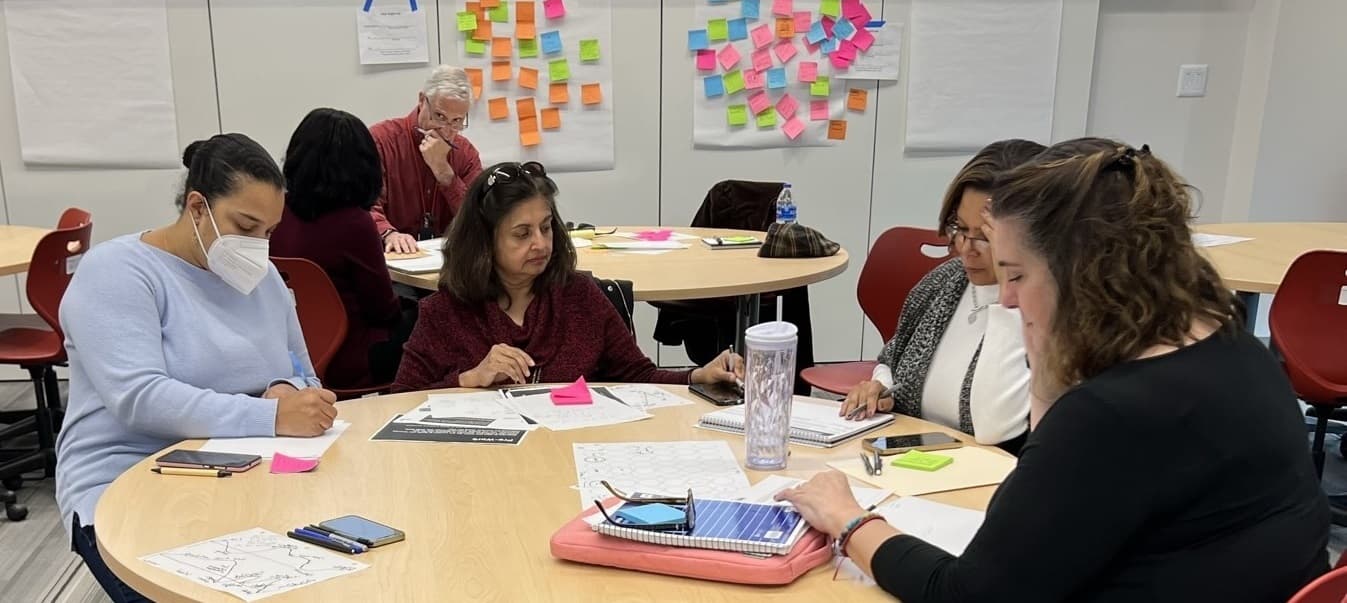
(895, 265)
(1309, 323)
(322, 317)
(1328, 588)
(36, 344)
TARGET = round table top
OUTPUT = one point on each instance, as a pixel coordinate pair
(16, 247)
(1258, 266)
(693, 273)
(478, 518)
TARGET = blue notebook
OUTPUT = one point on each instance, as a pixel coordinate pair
(726, 525)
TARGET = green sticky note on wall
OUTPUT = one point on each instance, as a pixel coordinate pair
(734, 82)
(528, 49)
(559, 70)
(737, 114)
(718, 30)
(831, 8)
(820, 87)
(500, 14)
(475, 46)
(589, 50)
(467, 22)
(767, 119)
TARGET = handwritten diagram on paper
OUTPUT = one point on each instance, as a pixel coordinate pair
(708, 468)
(645, 396)
(603, 411)
(253, 564)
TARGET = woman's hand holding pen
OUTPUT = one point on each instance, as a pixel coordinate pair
(864, 400)
(728, 367)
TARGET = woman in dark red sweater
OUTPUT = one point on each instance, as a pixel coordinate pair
(512, 308)
(332, 178)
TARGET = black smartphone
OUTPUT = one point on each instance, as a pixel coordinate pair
(887, 445)
(720, 394)
(364, 531)
(197, 459)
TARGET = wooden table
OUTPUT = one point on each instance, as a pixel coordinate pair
(478, 518)
(1254, 267)
(16, 247)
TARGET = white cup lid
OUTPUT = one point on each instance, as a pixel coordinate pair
(772, 332)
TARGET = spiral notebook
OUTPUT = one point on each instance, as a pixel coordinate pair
(726, 525)
(813, 422)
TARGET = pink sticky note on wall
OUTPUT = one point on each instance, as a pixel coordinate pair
(573, 394)
(840, 62)
(706, 60)
(818, 110)
(855, 11)
(554, 9)
(808, 71)
(759, 102)
(847, 49)
(762, 36)
(801, 22)
(281, 463)
(828, 26)
(762, 60)
(753, 80)
(793, 128)
(729, 56)
(787, 106)
(783, 7)
(863, 39)
(785, 51)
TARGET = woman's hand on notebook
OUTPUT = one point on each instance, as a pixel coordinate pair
(864, 401)
(825, 501)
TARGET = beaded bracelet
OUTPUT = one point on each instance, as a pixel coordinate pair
(840, 545)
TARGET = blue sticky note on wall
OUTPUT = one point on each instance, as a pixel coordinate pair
(776, 77)
(829, 46)
(816, 33)
(715, 86)
(750, 9)
(551, 42)
(843, 30)
(738, 29)
(697, 39)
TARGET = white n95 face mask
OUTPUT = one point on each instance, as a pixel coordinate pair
(239, 261)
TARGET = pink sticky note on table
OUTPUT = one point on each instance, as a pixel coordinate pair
(793, 128)
(762, 36)
(863, 39)
(573, 394)
(787, 107)
(753, 80)
(706, 60)
(808, 71)
(785, 50)
(759, 102)
(783, 7)
(281, 463)
(762, 60)
(554, 9)
(729, 56)
(818, 110)
(662, 234)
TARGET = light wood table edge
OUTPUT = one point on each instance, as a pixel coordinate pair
(14, 231)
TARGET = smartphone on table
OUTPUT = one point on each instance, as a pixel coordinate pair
(720, 394)
(370, 533)
(898, 444)
(220, 461)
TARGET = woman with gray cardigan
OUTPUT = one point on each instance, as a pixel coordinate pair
(957, 357)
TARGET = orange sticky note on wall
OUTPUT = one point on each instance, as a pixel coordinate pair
(525, 108)
(559, 93)
(591, 94)
(523, 12)
(530, 139)
(528, 78)
(483, 31)
(489, 3)
(500, 71)
(551, 118)
(857, 99)
(785, 27)
(498, 108)
(501, 48)
(837, 129)
(474, 8)
(526, 31)
(475, 78)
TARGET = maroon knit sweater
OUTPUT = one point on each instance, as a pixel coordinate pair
(570, 331)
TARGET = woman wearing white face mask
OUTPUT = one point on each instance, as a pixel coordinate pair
(184, 331)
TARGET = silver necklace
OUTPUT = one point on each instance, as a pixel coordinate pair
(973, 314)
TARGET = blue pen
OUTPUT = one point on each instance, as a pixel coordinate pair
(317, 539)
(359, 546)
(297, 366)
(327, 538)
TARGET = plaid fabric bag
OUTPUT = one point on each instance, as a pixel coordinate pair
(796, 241)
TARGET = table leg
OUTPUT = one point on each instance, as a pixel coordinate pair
(745, 317)
(1250, 309)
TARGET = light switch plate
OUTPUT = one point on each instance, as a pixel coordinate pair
(1192, 80)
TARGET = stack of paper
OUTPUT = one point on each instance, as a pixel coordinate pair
(1202, 239)
(603, 411)
(431, 262)
(303, 448)
(472, 418)
(708, 468)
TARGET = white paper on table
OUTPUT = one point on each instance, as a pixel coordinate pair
(673, 236)
(1202, 239)
(118, 49)
(643, 251)
(763, 491)
(641, 245)
(946, 526)
(426, 263)
(304, 448)
(645, 396)
(883, 61)
(482, 410)
(980, 71)
(708, 468)
(602, 411)
(390, 34)
(253, 564)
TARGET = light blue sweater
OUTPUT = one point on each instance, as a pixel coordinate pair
(161, 350)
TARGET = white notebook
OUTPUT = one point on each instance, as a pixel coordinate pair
(726, 525)
(813, 422)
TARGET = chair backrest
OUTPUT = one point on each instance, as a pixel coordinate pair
(54, 261)
(1308, 320)
(896, 263)
(73, 216)
(739, 204)
(1328, 588)
(322, 315)
(619, 293)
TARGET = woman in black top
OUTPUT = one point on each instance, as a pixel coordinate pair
(1167, 460)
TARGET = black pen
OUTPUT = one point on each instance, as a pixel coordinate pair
(325, 543)
(324, 530)
(360, 547)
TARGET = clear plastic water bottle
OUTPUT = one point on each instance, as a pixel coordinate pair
(769, 388)
(785, 207)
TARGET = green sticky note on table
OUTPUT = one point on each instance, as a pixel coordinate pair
(528, 49)
(831, 8)
(734, 82)
(467, 22)
(559, 70)
(737, 114)
(767, 119)
(474, 46)
(718, 30)
(820, 87)
(500, 13)
(921, 461)
(589, 50)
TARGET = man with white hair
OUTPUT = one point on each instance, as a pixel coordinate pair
(427, 162)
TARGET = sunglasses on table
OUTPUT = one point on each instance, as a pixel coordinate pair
(683, 524)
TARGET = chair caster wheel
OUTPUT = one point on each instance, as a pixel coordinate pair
(16, 512)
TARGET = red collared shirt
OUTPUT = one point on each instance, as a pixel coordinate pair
(410, 190)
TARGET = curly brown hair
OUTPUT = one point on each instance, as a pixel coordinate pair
(980, 173)
(1111, 222)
